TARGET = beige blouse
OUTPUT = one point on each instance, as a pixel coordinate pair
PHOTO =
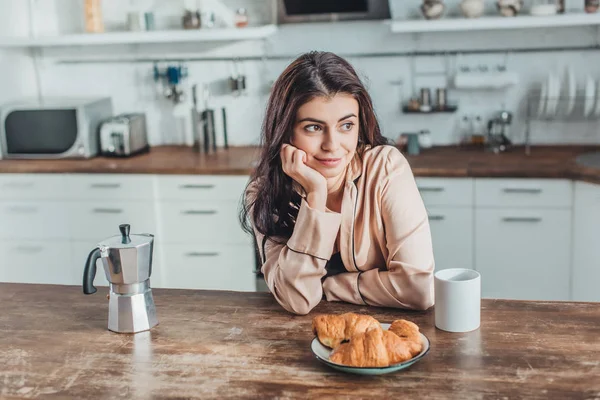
(384, 242)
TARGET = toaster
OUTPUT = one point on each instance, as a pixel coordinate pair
(124, 135)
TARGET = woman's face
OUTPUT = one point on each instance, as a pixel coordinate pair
(327, 130)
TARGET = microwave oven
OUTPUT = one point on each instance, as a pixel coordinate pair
(293, 11)
(52, 128)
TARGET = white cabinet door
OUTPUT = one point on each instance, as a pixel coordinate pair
(98, 220)
(47, 262)
(207, 222)
(218, 267)
(523, 253)
(586, 243)
(452, 236)
(446, 192)
(33, 220)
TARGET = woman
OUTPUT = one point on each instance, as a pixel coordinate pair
(333, 209)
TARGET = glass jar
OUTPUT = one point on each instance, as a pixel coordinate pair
(93, 16)
(591, 6)
(241, 18)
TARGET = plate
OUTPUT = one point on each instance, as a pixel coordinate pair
(543, 99)
(590, 96)
(553, 95)
(571, 90)
(322, 353)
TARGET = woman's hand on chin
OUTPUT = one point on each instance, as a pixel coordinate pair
(293, 161)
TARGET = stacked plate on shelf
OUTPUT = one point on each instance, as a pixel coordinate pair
(562, 95)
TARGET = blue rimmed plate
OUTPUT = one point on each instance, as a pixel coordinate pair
(322, 353)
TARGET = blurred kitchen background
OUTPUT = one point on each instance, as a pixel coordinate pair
(502, 96)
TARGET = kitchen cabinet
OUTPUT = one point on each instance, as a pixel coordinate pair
(51, 222)
(586, 242)
(449, 204)
(523, 238)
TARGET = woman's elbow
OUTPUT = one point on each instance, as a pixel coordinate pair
(302, 307)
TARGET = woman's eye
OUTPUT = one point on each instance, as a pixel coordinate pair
(312, 128)
(347, 126)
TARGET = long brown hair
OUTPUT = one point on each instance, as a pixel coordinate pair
(275, 204)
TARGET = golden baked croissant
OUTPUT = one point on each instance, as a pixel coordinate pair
(408, 332)
(374, 348)
(334, 329)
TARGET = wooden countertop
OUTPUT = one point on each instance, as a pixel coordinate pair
(54, 344)
(447, 161)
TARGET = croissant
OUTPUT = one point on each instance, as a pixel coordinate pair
(332, 330)
(374, 348)
(409, 333)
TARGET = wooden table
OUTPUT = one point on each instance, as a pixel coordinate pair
(54, 344)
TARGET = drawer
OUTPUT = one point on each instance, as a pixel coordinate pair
(446, 191)
(209, 267)
(201, 187)
(33, 220)
(111, 187)
(97, 221)
(206, 222)
(45, 262)
(33, 186)
(551, 193)
(81, 249)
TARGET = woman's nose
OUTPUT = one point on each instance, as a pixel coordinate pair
(330, 141)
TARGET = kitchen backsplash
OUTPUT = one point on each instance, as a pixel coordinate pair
(391, 78)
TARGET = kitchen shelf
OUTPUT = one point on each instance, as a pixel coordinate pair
(434, 110)
(493, 23)
(145, 37)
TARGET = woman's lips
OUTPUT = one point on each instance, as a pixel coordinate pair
(329, 162)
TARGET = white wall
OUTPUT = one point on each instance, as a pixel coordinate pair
(17, 76)
(132, 88)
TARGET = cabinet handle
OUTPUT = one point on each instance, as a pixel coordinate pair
(199, 212)
(431, 189)
(523, 190)
(107, 211)
(437, 218)
(521, 219)
(29, 249)
(23, 209)
(201, 254)
(105, 185)
(196, 186)
(18, 185)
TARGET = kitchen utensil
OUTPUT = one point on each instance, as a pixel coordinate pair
(433, 9)
(93, 16)
(124, 135)
(425, 141)
(412, 144)
(498, 132)
(322, 354)
(425, 100)
(509, 8)
(191, 19)
(543, 7)
(472, 8)
(205, 124)
(591, 6)
(441, 98)
(127, 261)
(457, 299)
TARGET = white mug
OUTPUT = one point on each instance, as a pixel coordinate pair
(457, 300)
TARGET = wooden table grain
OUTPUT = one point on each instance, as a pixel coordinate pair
(54, 345)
